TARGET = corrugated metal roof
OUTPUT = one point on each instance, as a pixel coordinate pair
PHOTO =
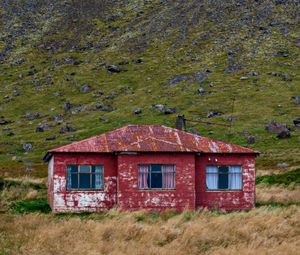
(151, 138)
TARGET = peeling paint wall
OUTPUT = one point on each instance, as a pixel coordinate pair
(131, 198)
(84, 201)
(50, 181)
(228, 200)
(121, 183)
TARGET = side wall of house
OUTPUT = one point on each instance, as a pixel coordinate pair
(50, 181)
(84, 201)
(131, 198)
(228, 200)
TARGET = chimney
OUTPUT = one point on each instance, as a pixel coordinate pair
(180, 123)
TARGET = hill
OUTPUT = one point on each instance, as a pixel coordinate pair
(72, 69)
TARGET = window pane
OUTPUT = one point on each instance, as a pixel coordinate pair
(235, 177)
(223, 177)
(74, 181)
(74, 169)
(156, 177)
(85, 169)
(212, 177)
(84, 181)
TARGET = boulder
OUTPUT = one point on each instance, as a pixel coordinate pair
(138, 111)
(170, 110)
(251, 139)
(284, 134)
(27, 146)
(296, 99)
(277, 127)
(85, 88)
(297, 122)
(113, 69)
(212, 114)
(67, 129)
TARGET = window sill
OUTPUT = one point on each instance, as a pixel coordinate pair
(83, 190)
(225, 190)
(156, 189)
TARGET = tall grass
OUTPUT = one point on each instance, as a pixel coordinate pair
(262, 231)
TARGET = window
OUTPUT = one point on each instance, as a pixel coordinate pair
(84, 177)
(156, 176)
(223, 177)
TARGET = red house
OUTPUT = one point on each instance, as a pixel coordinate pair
(150, 167)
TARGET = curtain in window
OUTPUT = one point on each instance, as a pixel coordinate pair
(168, 176)
(212, 177)
(143, 176)
(235, 177)
(98, 177)
(69, 177)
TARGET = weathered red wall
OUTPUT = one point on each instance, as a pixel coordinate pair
(131, 198)
(80, 201)
(228, 200)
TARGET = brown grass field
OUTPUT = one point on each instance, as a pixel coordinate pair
(271, 228)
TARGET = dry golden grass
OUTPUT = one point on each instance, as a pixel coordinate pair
(261, 231)
(278, 194)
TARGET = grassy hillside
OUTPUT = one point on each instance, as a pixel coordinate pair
(238, 58)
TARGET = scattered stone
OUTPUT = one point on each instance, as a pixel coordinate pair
(230, 118)
(51, 138)
(67, 106)
(201, 91)
(251, 139)
(278, 128)
(113, 69)
(111, 95)
(159, 107)
(212, 114)
(282, 53)
(27, 146)
(33, 115)
(85, 88)
(138, 111)
(69, 79)
(76, 62)
(77, 110)
(170, 110)
(106, 108)
(10, 134)
(139, 61)
(57, 118)
(297, 122)
(296, 99)
(253, 73)
(67, 129)
(39, 129)
(283, 164)
(284, 134)
(243, 78)
(4, 122)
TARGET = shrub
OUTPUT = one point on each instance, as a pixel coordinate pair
(29, 206)
(284, 178)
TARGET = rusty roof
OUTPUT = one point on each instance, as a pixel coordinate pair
(151, 138)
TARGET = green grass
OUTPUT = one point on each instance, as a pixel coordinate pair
(31, 206)
(284, 178)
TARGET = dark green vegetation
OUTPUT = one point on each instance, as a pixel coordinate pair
(54, 72)
(286, 178)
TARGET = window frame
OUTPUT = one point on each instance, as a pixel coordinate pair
(227, 190)
(89, 173)
(150, 172)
